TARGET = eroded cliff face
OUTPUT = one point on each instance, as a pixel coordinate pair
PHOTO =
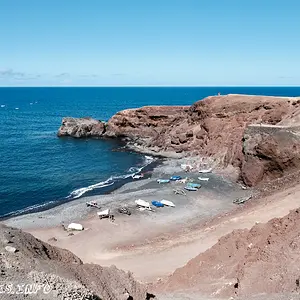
(215, 127)
(62, 275)
(246, 262)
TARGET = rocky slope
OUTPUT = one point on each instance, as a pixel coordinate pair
(59, 273)
(263, 260)
(215, 127)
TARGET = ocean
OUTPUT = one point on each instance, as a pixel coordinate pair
(38, 170)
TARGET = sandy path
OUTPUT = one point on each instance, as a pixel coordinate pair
(152, 252)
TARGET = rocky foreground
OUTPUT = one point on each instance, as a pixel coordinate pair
(260, 261)
(258, 135)
(27, 263)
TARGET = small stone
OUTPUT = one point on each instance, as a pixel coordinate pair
(10, 249)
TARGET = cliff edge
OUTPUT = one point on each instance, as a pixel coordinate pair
(251, 133)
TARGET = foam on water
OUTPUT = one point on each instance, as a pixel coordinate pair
(111, 180)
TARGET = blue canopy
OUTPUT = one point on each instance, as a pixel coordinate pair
(157, 203)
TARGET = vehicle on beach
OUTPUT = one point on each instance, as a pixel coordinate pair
(167, 203)
(163, 180)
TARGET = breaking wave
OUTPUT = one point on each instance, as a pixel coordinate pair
(112, 180)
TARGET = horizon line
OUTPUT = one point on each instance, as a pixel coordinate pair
(143, 86)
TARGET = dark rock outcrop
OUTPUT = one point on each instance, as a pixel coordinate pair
(213, 127)
(81, 128)
(63, 272)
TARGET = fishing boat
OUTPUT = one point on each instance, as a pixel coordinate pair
(163, 180)
(175, 177)
(92, 204)
(194, 185)
(149, 157)
(103, 214)
(205, 170)
(190, 188)
(137, 176)
(75, 226)
(157, 204)
(167, 203)
(142, 203)
(203, 178)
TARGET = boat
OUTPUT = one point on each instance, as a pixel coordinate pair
(137, 176)
(142, 203)
(175, 177)
(2, 105)
(186, 167)
(157, 204)
(242, 200)
(92, 204)
(194, 185)
(167, 203)
(205, 170)
(190, 188)
(203, 178)
(17, 108)
(103, 214)
(124, 210)
(149, 157)
(163, 180)
(179, 192)
(75, 226)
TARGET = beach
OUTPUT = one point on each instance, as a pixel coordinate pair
(124, 241)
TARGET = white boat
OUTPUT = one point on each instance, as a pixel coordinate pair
(92, 204)
(149, 157)
(142, 203)
(17, 108)
(103, 213)
(205, 170)
(137, 176)
(203, 178)
(2, 105)
(167, 203)
(75, 226)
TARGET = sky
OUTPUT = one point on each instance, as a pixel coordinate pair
(149, 42)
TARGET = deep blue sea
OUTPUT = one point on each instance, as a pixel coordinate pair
(38, 170)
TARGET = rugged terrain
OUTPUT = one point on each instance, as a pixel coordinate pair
(263, 260)
(258, 135)
(62, 275)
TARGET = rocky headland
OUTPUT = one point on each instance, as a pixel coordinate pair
(257, 135)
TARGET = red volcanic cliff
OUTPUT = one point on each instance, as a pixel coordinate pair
(217, 127)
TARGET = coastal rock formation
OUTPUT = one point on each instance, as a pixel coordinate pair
(59, 273)
(218, 127)
(246, 262)
(81, 128)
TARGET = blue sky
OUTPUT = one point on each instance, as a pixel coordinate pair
(143, 42)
